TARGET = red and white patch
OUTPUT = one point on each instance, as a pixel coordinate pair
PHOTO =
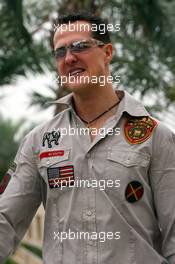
(4, 182)
(54, 153)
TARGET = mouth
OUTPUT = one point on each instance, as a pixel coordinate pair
(75, 72)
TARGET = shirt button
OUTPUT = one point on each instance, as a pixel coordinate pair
(89, 213)
(91, 242)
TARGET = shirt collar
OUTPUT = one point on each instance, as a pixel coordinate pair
(65, 100)
(128, 104)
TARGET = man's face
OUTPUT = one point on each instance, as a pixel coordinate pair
(91, 62)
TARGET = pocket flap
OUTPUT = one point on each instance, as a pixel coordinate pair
(50, 158)
(128, 158)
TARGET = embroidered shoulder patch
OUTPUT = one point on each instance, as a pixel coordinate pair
(4, 182)
(137, 130)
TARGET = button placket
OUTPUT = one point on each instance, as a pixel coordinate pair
(89, 219)
(88, 214)
(90, 158)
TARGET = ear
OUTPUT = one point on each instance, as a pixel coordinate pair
(108, 52)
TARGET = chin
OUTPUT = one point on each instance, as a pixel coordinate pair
(78, 88)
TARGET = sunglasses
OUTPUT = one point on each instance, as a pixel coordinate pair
(77, 47)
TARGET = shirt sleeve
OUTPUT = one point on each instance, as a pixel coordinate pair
(162, 178)
(21, 199)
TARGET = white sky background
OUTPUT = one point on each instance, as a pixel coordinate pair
(15, 104)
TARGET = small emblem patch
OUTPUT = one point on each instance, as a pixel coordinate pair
(134, 191)
(60, 176)
(137, 130)
(51, 137)
(54, 153)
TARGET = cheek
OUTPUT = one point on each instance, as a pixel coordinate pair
(100, 66)
(100, 61)
(60, 68)
(97, 63)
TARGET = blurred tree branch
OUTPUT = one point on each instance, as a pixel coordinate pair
(144, 53)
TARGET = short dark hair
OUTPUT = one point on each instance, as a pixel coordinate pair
(92, 19)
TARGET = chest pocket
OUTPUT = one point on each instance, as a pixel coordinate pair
(57, 171)
(128, 158)
(125, 167)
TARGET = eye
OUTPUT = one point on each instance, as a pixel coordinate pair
(60, 52)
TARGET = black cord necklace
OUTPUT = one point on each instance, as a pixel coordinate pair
(89, 122)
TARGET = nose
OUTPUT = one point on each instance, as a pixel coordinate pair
(70, 57)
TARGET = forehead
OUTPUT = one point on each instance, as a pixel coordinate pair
(66, 33)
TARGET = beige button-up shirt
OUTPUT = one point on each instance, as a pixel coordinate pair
(110, 200)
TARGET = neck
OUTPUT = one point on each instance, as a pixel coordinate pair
(96, 101)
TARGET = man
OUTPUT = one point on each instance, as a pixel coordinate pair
(108, 192)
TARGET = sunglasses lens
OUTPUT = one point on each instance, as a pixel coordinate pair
(60, 52)
(77, 46)
(80, 46)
